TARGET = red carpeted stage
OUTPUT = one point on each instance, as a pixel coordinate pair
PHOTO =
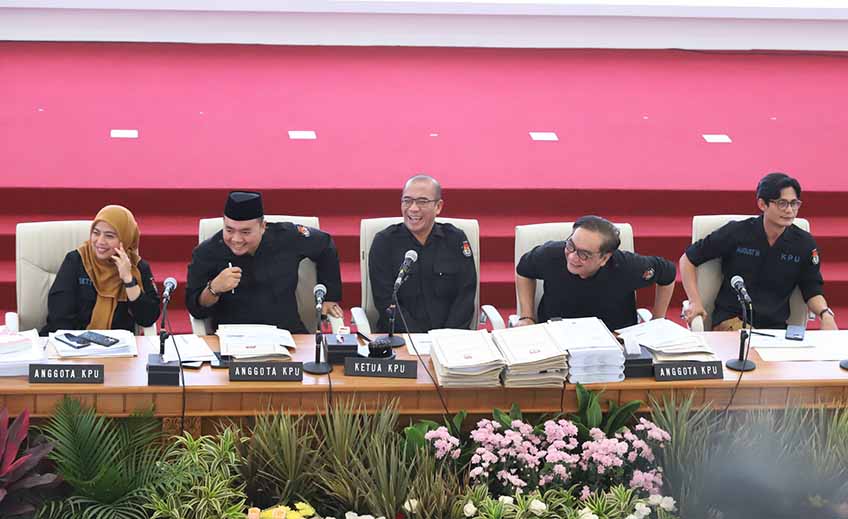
(214, 117)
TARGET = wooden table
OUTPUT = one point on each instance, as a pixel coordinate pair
(210, 394)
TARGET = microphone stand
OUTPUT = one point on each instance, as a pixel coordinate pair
(318, 367)
(742, 363)
(159, 372)
(391, 340)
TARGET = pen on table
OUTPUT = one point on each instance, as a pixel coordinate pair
(230, 263)
(763, 334)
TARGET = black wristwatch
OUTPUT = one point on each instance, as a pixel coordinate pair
(132, 283)
(209, 288)
(826, 310)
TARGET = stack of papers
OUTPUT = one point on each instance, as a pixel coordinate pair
(533, 358)
(193, 349)
(594, 354)
(18, 351)
(125, 347)
(255, 342)
(818, 345)
(668, 341)
(466, 358)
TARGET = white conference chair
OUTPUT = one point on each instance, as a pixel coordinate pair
(529, 236)
(306, 273)
(367, 315)
(710, 274)
(40, 248)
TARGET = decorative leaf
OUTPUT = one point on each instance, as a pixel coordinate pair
(502, 418)
(618, 418)
(593, 413)
(458, 418)
(33, 457)
(582, 400)
(35, 480)
(17, 434)
(4, 430)
(515, 412)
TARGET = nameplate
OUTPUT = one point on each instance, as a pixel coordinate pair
(66, 373)
(665, 371)
(266, 371)
(387, 368)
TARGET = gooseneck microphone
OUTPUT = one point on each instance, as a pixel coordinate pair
(320, 292)
(408, 260)
(170, 285)
(738, 285)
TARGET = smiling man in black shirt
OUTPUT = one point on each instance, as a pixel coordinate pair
(770, 253)
(442, 284)
(587, 276)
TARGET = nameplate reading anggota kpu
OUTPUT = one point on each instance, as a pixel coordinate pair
(66, 373)
(688, 370)
(266, 371)
(387, 368)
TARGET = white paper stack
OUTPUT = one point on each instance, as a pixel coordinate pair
(466, 358)
(594, 354)
(23, 349)
(533, 358)
(192, 349)
(255, 342)
(669, 341)
(125, 347)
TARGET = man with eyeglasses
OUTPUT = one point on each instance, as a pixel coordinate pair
(771, 254)
(588, 276)
(442, 284)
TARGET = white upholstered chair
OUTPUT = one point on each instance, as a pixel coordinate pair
(529, 236)
(367, 315)
(40, 248)
(306, 273)
(710, 275)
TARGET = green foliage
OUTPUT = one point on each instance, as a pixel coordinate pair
(20, 481)
(436, 488)
(201, 479)
(386, 471)
(109, 464)
(281, 460)
(590, 415)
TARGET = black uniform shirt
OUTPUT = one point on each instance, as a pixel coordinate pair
(442, 284)
(770, 272)
(72, 297)
(608, 295)
(266, 292)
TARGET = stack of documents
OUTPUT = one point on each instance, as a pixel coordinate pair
(465, 358)
(193, 349)
(594, 354)
(255, 342)
(125, 347)
(18, 351)
(668, 341)
(533, 358)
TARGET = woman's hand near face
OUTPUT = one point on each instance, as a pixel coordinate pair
(122, 262)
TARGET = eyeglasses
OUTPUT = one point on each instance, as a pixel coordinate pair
(583, 254)
(422, 202)
(782, 203)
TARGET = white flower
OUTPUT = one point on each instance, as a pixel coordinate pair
(469, 509)
(655, 499)
(351, 515)
(667, 504)
(537, 507)
(585, 513)
(631, 516)
(411, 506)
(642, 510)
(507, 500)
(366, 516)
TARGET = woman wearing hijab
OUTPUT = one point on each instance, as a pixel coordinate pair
(104, 284)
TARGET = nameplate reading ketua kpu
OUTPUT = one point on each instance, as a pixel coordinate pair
(266, 371)
(666, 371)
(387, 368)
(66, 373)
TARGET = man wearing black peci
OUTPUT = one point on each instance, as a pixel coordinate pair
(442, 283)
(770, 253)
(588, 276)
(247, 272)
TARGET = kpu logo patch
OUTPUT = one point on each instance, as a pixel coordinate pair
(466, 249)
(814, 257)
(303, 230)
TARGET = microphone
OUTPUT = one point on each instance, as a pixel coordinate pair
(738, 285)
(170, 285)
(320, 292)
(408, 259)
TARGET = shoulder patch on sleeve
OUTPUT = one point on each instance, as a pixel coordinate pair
(466, 249)
(648, 274)
(814, 257)
(303, 230)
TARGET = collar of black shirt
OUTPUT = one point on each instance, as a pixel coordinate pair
(436, 232)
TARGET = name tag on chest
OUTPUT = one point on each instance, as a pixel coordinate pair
(266, 372)
(66, 374)
(385, 368)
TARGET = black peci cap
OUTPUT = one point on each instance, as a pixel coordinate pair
(244, 205)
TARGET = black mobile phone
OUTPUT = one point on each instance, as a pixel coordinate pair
(99, 338)
(795, 332)
(72, 340)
